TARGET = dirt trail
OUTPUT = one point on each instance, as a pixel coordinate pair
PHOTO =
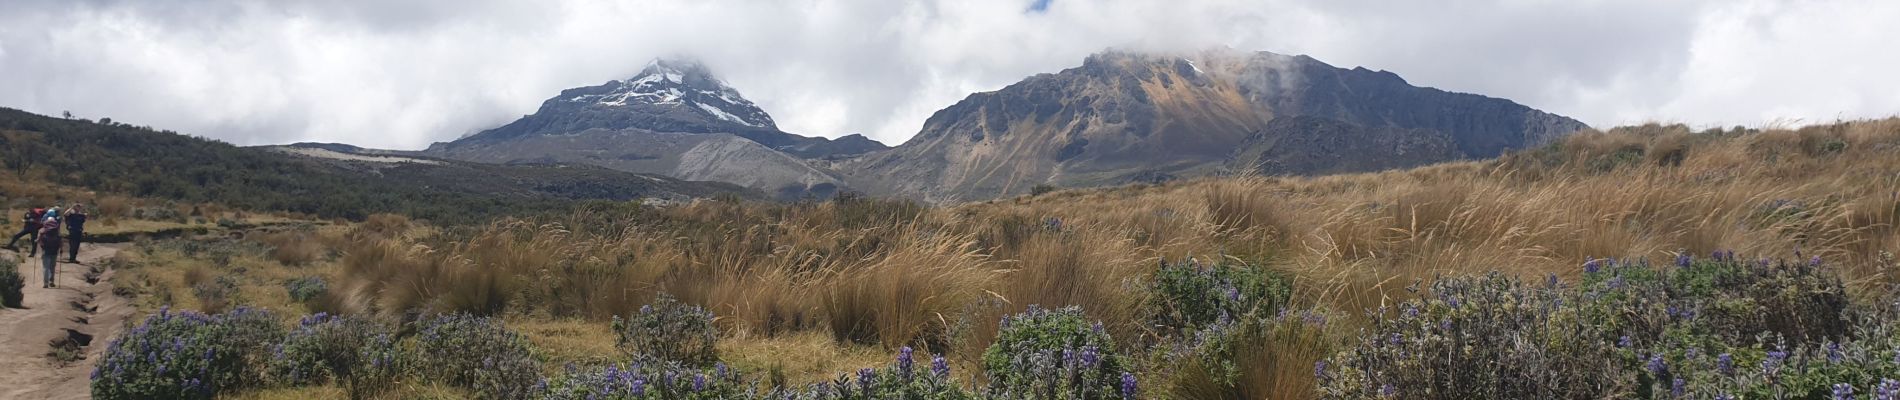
(81, 315)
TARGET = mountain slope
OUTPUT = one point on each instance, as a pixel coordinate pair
(1122, 117)
(142, 162)
(674, 119)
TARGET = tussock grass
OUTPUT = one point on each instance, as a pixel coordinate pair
(882, 274)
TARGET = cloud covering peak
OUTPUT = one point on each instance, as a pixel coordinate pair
(404, 73)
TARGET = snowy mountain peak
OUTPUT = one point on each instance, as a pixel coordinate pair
(682, 85)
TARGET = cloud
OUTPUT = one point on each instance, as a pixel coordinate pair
(404, 73)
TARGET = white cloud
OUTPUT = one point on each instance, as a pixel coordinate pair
(403, 73)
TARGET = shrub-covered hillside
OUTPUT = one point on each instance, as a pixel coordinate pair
(141, 162)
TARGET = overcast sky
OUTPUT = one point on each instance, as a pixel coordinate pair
(404, 73)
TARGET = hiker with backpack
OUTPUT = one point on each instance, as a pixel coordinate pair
(75, 229)
(32, 228)
(49, 243)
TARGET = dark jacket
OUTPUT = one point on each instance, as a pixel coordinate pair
(75, 222)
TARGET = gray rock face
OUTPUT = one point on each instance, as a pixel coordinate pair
(1124, 117)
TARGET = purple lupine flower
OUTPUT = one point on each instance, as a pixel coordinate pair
(1843, 391)
(1656, 365)
(903, 359)
(699, 382)
(1387, 390)
(1814, 261)
(1623, 342)
(1129, 388)
(1592, 266)
(865, 378)
(1889, 389)
(1833, 353)
(1397, 339)
(1091, 357)
(1726, 364)
(940, 367)
(1683, 260)
(1550, 280)
(638, 388)
(1319, 370)
(1676, 388)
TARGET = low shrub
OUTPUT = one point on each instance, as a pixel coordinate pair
(1478, 337)
(478, 354)
(1189, 295)
(668, 330)
(1044, 353)
(305, 289)
(903, 379)
(12, 284)
(217, 294)
(662, 380)
(1248, 358)
(186, 355)
(358, 353)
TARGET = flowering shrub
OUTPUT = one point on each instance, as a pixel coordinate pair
(358, 353)
(1189, 295)
(11, 283)
(306, 289)
(662, 380)
(668, 330)
(185, 355)
(1055, 354)
(1719, 328)
(1477, 337)
(478, 354)
(903, 379)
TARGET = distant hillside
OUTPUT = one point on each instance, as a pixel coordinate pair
(1124, 117)
(143, 162)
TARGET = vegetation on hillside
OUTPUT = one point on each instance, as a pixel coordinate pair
(125, 160)
(1619, 264)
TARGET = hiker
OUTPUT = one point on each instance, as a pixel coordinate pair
(49, 242)
(32, 228)
(75, 229)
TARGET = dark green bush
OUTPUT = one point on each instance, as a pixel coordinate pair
(12, 284)
(306, 289)
(668, 330)
(478, 354)
(1055, 354)
(358, 353)
(1189, 295)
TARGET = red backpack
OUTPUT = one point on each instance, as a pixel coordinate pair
(34, 216)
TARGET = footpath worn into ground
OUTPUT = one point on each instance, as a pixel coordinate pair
(48, 348)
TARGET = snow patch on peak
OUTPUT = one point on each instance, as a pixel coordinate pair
(1197, 68)
(722, 114)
